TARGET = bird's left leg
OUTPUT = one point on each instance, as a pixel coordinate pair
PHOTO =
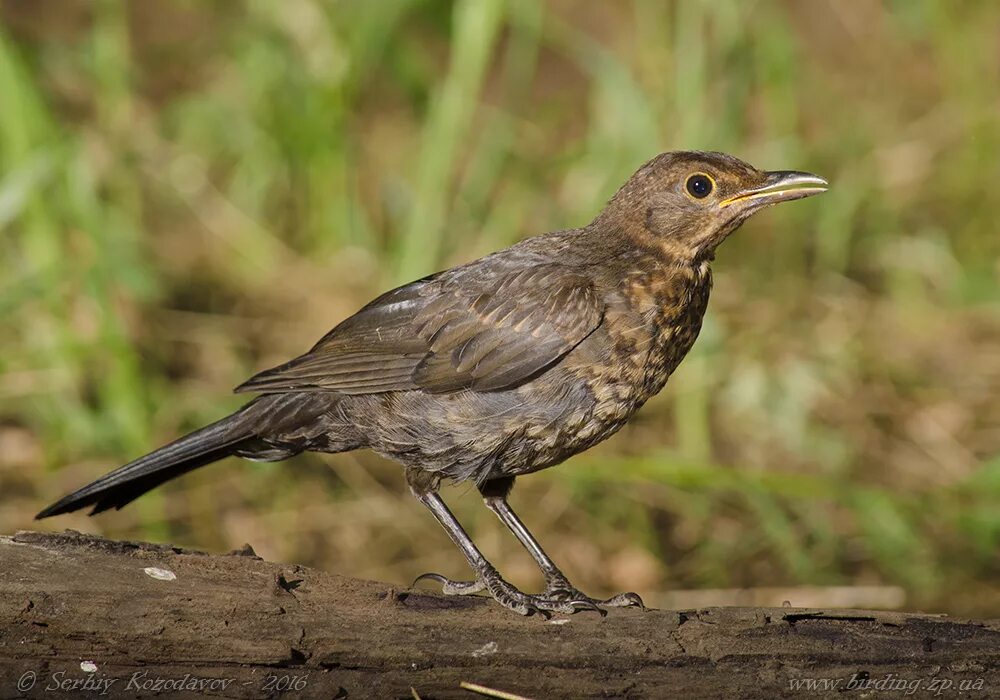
(557, 586)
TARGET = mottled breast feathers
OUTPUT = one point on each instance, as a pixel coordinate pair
(461, 329)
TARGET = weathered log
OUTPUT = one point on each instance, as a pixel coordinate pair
(157, 619)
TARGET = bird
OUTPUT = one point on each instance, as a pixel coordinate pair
(499, 367)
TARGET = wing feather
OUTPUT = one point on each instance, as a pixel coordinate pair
(443, 333)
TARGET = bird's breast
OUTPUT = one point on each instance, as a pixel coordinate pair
(650, 324)
(680, 299)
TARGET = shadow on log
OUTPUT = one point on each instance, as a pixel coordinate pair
(83, 614)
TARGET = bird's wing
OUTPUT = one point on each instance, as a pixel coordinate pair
(444, 333)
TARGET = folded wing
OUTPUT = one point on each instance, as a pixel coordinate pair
(465, 331)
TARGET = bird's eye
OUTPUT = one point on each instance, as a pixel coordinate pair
(699, 186)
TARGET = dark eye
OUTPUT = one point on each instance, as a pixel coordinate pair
(700, 186)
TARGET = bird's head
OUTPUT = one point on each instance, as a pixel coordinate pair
(688, 202)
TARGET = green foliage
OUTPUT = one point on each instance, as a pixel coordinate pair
(191, 191)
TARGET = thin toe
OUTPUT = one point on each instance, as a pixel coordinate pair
(624, 600)
(450, 586)
(588, 606)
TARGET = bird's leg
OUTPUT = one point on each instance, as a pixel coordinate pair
(557, 586)
(487, 577)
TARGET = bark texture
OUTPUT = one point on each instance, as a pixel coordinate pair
(82, 615)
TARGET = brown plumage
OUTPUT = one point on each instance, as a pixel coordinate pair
(502, 366)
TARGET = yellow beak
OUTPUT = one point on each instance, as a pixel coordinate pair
(780, 186)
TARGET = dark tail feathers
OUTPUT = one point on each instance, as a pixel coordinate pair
(238, 433)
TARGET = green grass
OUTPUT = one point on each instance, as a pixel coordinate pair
(190, 192)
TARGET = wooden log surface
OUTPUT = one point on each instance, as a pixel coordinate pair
(84, 615)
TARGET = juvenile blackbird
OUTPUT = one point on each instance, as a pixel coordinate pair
(500, 367)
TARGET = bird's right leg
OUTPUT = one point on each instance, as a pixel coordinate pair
(487, 577)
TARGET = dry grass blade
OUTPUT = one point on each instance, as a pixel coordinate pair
(490, 692)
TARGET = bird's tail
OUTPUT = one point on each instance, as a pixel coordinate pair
(244, 433)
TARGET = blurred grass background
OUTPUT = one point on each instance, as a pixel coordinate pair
(190, 192)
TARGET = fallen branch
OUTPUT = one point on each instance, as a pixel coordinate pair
(135, 619)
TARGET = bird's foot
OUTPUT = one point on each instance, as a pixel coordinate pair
(558, 587)
(513, 599)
